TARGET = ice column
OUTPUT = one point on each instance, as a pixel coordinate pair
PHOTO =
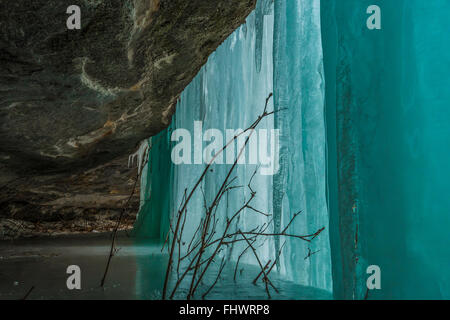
(388, 136)
(301, 183)
(229, 93)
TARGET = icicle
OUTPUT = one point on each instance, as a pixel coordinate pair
(140, 156)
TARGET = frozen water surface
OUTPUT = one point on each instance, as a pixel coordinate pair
(136, 272)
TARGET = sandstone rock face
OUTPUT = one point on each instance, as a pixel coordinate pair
(84, 201)
(73, 101)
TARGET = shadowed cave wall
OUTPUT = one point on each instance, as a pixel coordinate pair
(75, 103)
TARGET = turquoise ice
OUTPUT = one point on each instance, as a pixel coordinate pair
(388, 136)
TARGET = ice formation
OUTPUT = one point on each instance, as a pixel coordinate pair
(141, 155)
(229, 92)
(387, 111)
(363, 145)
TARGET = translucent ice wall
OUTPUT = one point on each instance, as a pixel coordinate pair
(278, 50)
(299, 87)
(377, 180)
(387, 106)
(155, 189)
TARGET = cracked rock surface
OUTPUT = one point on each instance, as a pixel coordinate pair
(73, 101)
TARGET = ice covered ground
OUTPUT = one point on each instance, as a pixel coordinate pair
(136, 271)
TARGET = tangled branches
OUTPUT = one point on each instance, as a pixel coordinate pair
(189, 261)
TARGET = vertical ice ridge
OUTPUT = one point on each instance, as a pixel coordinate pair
(301, 181)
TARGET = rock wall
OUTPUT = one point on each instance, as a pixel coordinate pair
(75, 100)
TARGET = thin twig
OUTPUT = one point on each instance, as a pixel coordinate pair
(116, 228)
(261, 272)
(28, 293)
(260, 264)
